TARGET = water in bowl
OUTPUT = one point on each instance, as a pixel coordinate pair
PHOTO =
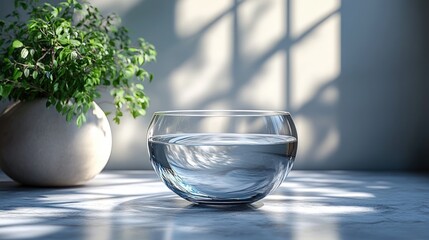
(222, 168)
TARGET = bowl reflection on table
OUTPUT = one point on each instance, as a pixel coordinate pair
(232, 165)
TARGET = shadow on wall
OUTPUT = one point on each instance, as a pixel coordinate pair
(351, 73)
(367, 114)
(381, 111)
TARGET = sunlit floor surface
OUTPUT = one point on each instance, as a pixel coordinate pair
(136, 205)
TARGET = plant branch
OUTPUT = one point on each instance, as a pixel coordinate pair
(43, 56)
(20, 85)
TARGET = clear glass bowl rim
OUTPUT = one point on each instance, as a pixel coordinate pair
(222, 113)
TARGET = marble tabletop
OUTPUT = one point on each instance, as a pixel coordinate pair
(136, 205)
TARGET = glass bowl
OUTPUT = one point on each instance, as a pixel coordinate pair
(222, 157)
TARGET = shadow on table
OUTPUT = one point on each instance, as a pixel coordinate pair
(167, 216)
(62, 213)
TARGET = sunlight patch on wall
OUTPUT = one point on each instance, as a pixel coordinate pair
(235, 64)
(205, 75)
(265, 89)
(315, 61)
(315, 65)
(307, 13)
(195, 15)
(262, 25)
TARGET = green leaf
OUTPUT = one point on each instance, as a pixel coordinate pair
(141, 60)
(35, 73)
(16, 74)
(78, 6)
(54, 12)
(73, 55)
(63, 41)
(56, 87)
(139, 86)
(17, 44)
(59, 30)
(24, 53)
(129, 71)
(24, 5)
(69, 115)
(62, 55)
(40, 65)
(65, 4)
(26, 72)
(117, 120)
(135, 114)
(75, 42)
(141, 112)
(7, 89)
(80, 119)
(58, 107)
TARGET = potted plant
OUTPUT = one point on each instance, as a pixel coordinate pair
(55, 61)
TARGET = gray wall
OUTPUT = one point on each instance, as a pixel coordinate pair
(425, 101)
(353, 74)
(383, 107)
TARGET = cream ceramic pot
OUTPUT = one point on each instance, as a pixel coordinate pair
(39, 148)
